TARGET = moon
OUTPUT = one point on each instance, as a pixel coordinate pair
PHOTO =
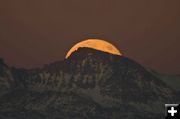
(97, 44)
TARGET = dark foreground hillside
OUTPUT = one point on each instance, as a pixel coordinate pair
(88, 85)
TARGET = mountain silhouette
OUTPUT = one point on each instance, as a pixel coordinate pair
(90, 84)
(171, 80)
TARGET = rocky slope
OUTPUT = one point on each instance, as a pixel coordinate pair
(88, 85)
(171, 80)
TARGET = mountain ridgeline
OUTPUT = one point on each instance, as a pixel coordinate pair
(90, 84)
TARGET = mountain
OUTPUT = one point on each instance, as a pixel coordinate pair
(90, 84)
(171, 80)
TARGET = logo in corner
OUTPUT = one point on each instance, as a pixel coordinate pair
(172, 111)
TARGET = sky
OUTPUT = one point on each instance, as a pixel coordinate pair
(37, 32)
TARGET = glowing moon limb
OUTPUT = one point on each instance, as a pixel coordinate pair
(95, 44)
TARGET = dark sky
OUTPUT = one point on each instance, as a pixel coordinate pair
(36, 32)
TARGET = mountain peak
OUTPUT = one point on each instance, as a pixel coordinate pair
(85, 50)
(88, 84)
(82, 53)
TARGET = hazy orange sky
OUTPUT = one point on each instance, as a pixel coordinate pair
(37, 32)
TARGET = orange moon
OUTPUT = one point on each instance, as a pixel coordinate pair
(97, 44)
